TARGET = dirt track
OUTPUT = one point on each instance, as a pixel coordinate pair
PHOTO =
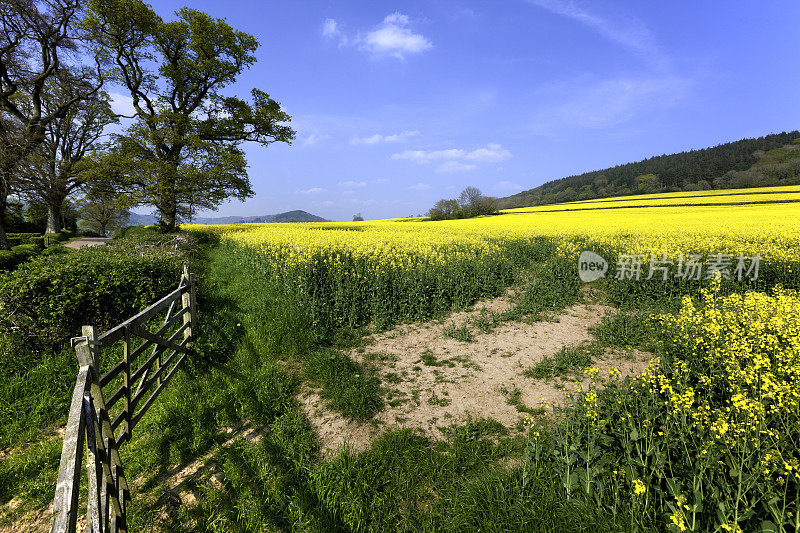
(432, 381)
(87, 241)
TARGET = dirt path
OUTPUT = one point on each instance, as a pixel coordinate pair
(87, 241)
(433, 381)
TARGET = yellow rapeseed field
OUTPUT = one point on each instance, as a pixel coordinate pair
(772, 230)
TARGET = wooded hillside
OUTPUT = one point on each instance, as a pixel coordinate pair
(764, 161)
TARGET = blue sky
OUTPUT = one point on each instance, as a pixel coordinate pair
(398, 104)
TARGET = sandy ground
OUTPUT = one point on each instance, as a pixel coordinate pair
(87, 241)
(463, 380)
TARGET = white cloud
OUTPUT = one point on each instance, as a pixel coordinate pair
(314, 139)
(381, 180)
(420, 187)
(455, 166)
(425, 156)
(629, 33)
(374, 139)
(492, 153)
(122, 104)
(312, 190)
(331, 31)
(350, 184)
(393, 37)
(329, 28)
(606, 103)
(378, 138)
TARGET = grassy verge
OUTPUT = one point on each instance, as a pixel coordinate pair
(257, 343)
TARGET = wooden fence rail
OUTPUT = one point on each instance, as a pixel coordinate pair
(163, 350)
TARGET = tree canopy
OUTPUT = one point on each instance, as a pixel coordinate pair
(40, 55)
(183, 150)
(55, 170)
(471, 203)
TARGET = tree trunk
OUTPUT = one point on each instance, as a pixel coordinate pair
(3, 205)
(167, 220)
(53, 216)
(3, 240)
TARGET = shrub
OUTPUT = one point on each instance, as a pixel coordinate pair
(10, 259)
(15, 239)
(55, 249)
(26, 249)
(51, 296)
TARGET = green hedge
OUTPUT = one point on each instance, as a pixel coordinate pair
(51, 296)
(15, 239)
(9, 259)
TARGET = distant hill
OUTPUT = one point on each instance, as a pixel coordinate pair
(765, 161)
(290, 216)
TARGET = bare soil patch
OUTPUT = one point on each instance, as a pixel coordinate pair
(87, 241)
(432, 381)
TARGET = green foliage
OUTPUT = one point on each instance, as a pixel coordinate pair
(471, 203)
(10, 259)
(100, 212)
(684, 171)
(55, 249)
(183, 151)
(552, 286)
(27, 249)
(462, 334)
(24, 238)
(50, 297)
(569, 360)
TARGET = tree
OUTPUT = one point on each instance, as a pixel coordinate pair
(358, 218)
(99, 211)
(35, 40)
(54, 170)
(471, 203)
(37, 213)
(183, 151)
(648, 183)
(444, 209)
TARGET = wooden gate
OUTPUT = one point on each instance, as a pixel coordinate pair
(104, 420)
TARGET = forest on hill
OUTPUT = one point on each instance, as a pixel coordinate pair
(760, 162)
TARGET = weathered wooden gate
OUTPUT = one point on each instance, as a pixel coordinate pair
(97, 419)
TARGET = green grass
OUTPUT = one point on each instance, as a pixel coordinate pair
(568, 361)
(486, 322)
(513, 398)
(552, 286)
(462, 334)
(258, 341)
